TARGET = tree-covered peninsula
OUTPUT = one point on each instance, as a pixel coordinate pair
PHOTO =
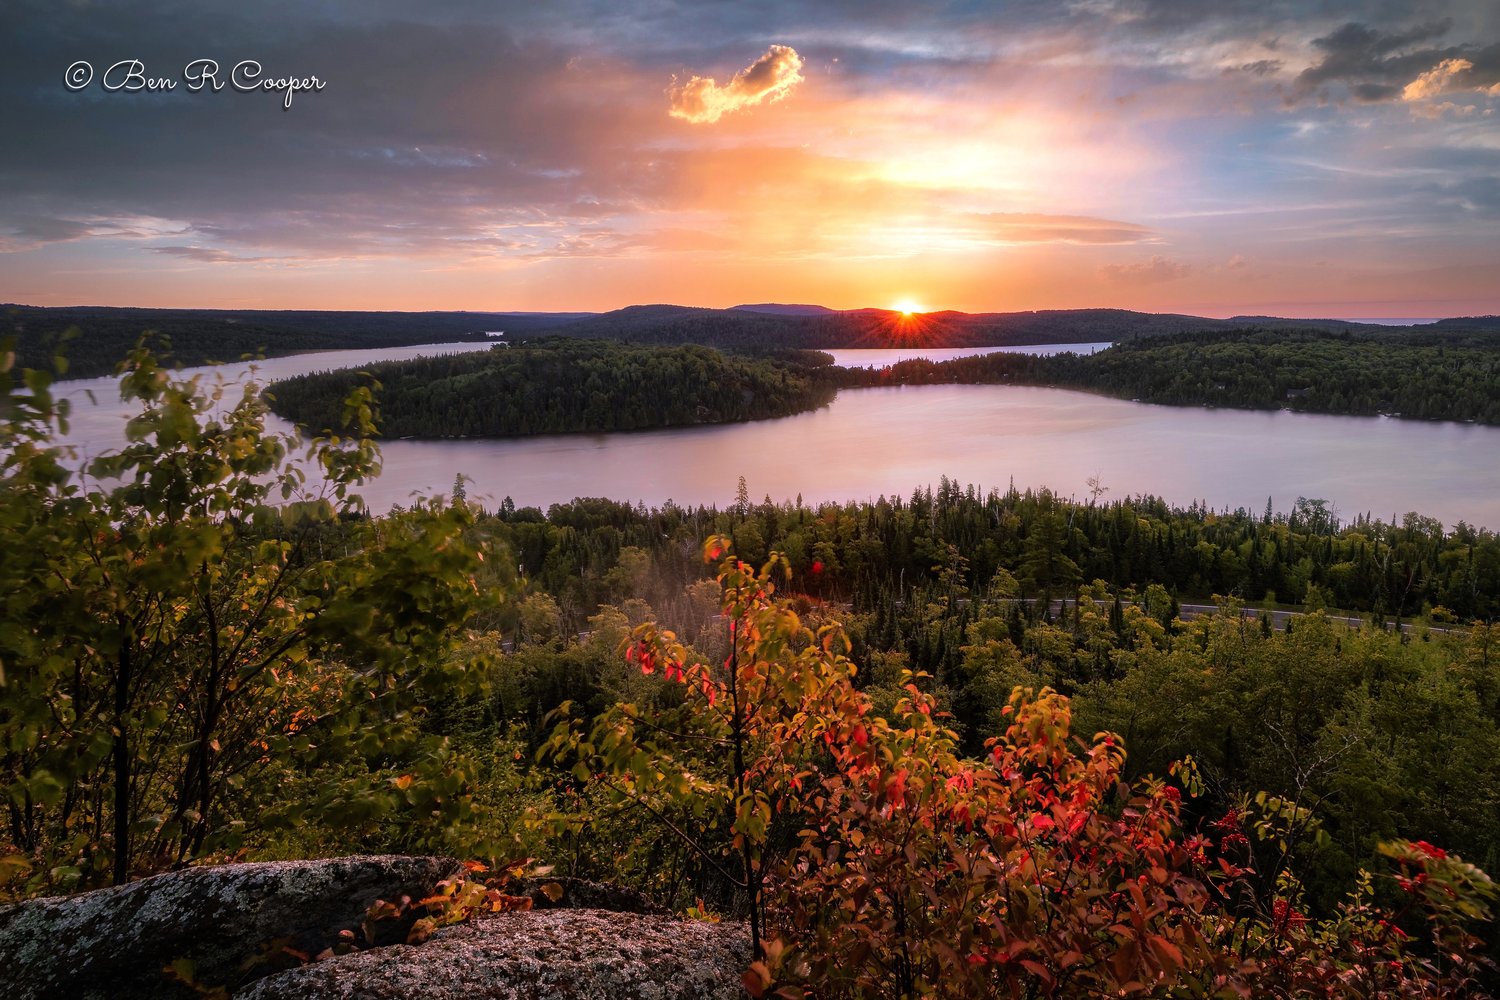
(555, 386)
(1428, 378)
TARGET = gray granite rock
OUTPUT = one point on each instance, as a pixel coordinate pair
(114, 943)
(558, 954)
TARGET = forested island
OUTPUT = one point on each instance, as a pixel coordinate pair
(557, 385)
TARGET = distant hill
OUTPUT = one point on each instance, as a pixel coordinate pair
(1468, 323)
(750, 328)
(201, 335)
(780, 309)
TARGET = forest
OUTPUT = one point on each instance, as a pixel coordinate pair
(959, 586)
(556, 385)
(869, 730)
(1424, 377)
(98, 339)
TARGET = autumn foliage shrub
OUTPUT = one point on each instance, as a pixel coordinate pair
(1036, 870)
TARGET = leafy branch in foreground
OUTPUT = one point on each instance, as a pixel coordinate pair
(189, 629)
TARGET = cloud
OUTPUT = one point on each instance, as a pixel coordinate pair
(1371, 64)
(208, 255)
(1454, 76)
(466, 146)
(1260, 67)
(1148, 272)
(1436, 80)
(1025, 227)
(771, 77)
(1446, 109)
(30, 232)
(1374, 93)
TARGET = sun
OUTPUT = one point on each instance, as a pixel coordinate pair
(908, 308)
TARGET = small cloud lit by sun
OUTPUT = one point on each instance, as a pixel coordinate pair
(908, 307)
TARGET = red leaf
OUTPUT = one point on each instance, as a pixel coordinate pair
(1037, 969)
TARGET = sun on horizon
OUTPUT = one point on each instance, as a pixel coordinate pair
(908, 307)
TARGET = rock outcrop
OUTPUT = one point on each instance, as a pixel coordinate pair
(239, 925)
(557, 954)
(113, 944)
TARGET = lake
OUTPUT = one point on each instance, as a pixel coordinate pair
(870, 442)
(872, 357)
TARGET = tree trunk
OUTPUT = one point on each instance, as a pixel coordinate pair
(122, 770)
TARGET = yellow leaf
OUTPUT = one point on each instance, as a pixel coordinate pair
(421, 930)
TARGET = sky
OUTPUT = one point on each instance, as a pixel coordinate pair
(1268, 157)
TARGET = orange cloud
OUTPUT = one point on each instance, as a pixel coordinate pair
(1025, 227)
(769, 78)
(1436, 80)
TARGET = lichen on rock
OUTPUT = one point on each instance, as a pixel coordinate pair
(558, 954)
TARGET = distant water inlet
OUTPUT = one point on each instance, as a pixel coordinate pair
(866, 357)
(870, 442)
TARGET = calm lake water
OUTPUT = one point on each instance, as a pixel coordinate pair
(887, 441)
